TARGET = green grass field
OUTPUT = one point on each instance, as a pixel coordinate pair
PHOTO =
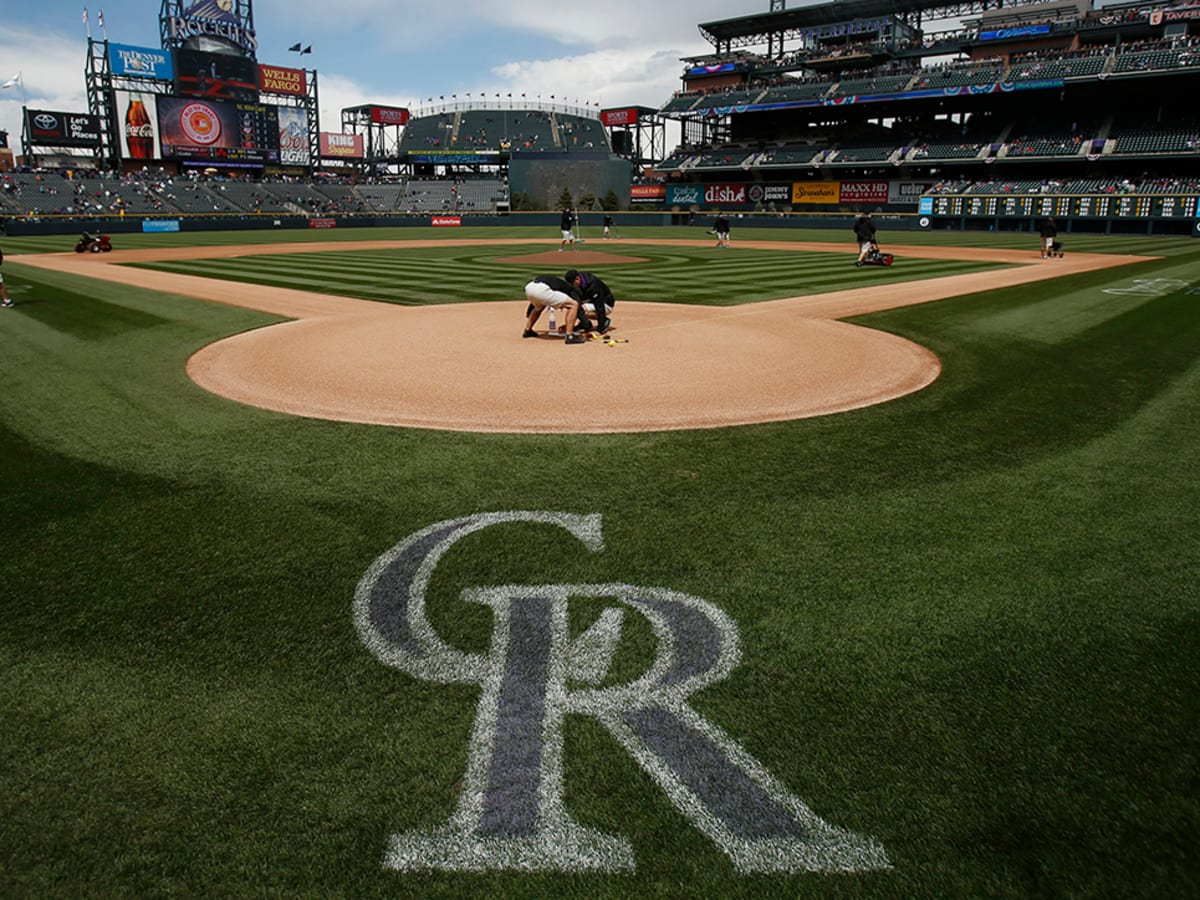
(968, 619)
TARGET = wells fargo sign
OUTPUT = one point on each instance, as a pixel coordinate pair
(280, 80)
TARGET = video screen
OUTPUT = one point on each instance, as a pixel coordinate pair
(214, 130)
(215, 76)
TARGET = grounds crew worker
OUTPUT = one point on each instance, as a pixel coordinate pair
(597, 298)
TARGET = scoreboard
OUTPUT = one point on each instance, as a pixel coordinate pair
(1091, 206)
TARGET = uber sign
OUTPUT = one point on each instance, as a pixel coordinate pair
(511, 812)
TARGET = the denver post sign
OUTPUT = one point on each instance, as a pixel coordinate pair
(511, 813)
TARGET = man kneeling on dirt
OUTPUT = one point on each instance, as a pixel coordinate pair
(597, 299)
(556, 293)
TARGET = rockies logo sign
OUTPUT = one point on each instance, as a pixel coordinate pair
(511, 813)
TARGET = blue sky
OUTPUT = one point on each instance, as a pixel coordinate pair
(614, 52)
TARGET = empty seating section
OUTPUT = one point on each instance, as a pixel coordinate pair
(723, 158)
(382, 197)
(1005, 187)
(1063, 145)
(673, 162)
(883, 84)
(427, 133)
(729, 98)
(790, 156)
(580, 133)
(530, 130)
(1033, 70)
(793, 92)
(958, 77)
(1176, 58)
(864, 154)
(681, 102)
(952, 150)
(1167, 140)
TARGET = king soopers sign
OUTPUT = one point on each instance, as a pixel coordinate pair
(511, 813)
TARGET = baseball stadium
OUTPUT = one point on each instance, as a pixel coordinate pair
(825, 567)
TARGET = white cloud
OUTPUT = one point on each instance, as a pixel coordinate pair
(609, 76)
(51, 68)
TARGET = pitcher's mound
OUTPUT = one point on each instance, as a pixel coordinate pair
(571, 259)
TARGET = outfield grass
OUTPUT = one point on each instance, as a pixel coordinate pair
(968, 618)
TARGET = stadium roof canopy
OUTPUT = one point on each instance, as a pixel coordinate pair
(758, 28)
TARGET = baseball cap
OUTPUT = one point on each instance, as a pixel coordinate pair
(571, 275)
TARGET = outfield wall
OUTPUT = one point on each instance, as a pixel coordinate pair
(591, 223)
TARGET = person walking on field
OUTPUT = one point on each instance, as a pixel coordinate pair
(721, 229)
(1049, 232)
(567, 225)
(864, 234)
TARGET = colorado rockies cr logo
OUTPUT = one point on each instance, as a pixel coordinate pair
(511, 813)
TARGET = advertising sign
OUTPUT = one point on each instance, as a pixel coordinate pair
(62, 129)
(815, 192)
(389, 115)
(293, 136)
(216, 76)
(907, 193)
(160, 225)
(143, 62)
(863, 192)
(341, 146)
(212, 130)
(685, 194)
(647, 193)
(280, 80)
(445, 221)
(212, 20)
(619, 116)
(137, 118)
(724, 193)
(769, 193)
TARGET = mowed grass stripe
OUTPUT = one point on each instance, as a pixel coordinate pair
(682, 275)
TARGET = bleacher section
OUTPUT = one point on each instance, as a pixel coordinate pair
(883, 84)
(729, 98)
(795, 92)
(1154, 140)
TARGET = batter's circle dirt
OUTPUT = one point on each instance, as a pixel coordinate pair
(466, 367)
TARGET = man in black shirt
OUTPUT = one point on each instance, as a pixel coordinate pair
(596, 298)
(864, 233)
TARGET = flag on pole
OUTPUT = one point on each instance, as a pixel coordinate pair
(100, 18)
(295, 48)
(85, 21)
(307, 49)
(16, 79)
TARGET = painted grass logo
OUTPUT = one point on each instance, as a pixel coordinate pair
(1153, 287)
(511, 813)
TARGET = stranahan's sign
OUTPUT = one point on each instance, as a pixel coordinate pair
(214, 19)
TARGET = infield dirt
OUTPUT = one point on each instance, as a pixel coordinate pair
(464, 366)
